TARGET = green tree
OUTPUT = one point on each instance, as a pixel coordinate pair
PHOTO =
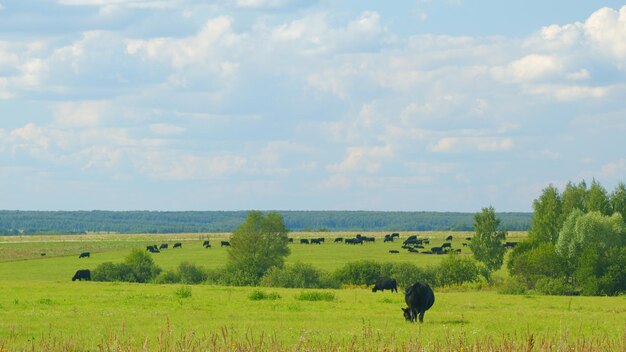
(597, 199)
(487, 242)
(258, 244)
(546, 216)
(618, 200)
(573, 197)
(530, 264)
(567, 246)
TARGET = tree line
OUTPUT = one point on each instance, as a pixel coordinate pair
(80, 222)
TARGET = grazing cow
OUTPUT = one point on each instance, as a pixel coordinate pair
(304, 241)
(338, 239)
(354, 241)
(449, 238)
(290, 240)
(458, 250)
(385, 284)
(510, 245)
(84, 255)
(446, 245)
(177, 245)
(468, 238)
(322, 239)
(206, 244)
(225, 244)
(83, 274)
(395, 234)
(369, 239)
(413, 250)
(410, 239)
(394, 251)
(315, 241)
(388, 238)
(419, 297)
(464, 244)
(153, 249)
(43, 254)
(437, 250)
(426, 241)
(163, 246)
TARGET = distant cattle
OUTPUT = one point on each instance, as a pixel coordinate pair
(338, 239)
(163, 246)
(437, 250)
(464, 244)
(510, 245)
(413, 250)
(177, 245)
(153, 249)
(225, 244)
(419, 297)
(426, 241)
(315, 241)
(206, 244)
(368, 239)
(412, 241)
(394, 251)
(388, 238)
(353, 241)
(304, 241)
(83, 274)
(446, 245)
(468, 238)
(43, 254)
(449, 238)
(385, 284)
(290, 240)
(395, 234)
(84, 255)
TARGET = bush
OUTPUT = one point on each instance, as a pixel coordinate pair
(363, 272)
(298, 275)
(315, 296)
(512, 286)
(183, 292)
(137, 267)
(258, 295)
(167, 277)
(456, 270)
(552, 286)
(191, 274)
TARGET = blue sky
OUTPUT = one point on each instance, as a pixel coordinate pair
(429, 105)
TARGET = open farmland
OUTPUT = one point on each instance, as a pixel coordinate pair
(40, 308)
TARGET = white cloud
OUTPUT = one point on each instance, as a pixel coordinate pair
(614, 170)
(529, 68)
(166, 129)
(465, 144)
(570, 93)
(80, 114)
(606, 30)
(363, 159)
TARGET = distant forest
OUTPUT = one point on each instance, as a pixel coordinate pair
(81, 222)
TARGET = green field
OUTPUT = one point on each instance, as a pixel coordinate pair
(41, 309)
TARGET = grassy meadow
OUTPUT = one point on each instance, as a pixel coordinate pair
(42, 309)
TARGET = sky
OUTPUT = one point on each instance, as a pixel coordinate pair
(421, 105)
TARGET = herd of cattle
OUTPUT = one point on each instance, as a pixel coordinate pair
(419, 297)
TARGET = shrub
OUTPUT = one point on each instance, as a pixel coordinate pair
(137, 267)
(512, 287)
(258, 295)
(552, 286)
(183, 292)
(315, 296)
(456, 270)
(191, 274)
(363, 272)
(298, 275)
(167, 277)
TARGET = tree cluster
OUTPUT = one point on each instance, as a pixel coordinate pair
(577, 241)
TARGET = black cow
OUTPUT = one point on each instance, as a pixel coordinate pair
(394, 251)
(84, 255)
(449, 238)
(83, 274)
(153, 249)
(163, 246)
(206, 244)
(354, 241)
(225, 244)
(410, 239)
(510, 245)
(395, 234)
(419, 297)
(437, 250)
(385, 284)
(290, 240)
(338, 239)
(43, 254)
(413, 250)
(468, 238)
(446, 245)
(304, 241)
(177, 245)
(315, 241)
(368, 239)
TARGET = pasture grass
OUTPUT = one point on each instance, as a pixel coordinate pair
(41, 309)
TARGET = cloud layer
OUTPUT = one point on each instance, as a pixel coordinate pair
(284, 104)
